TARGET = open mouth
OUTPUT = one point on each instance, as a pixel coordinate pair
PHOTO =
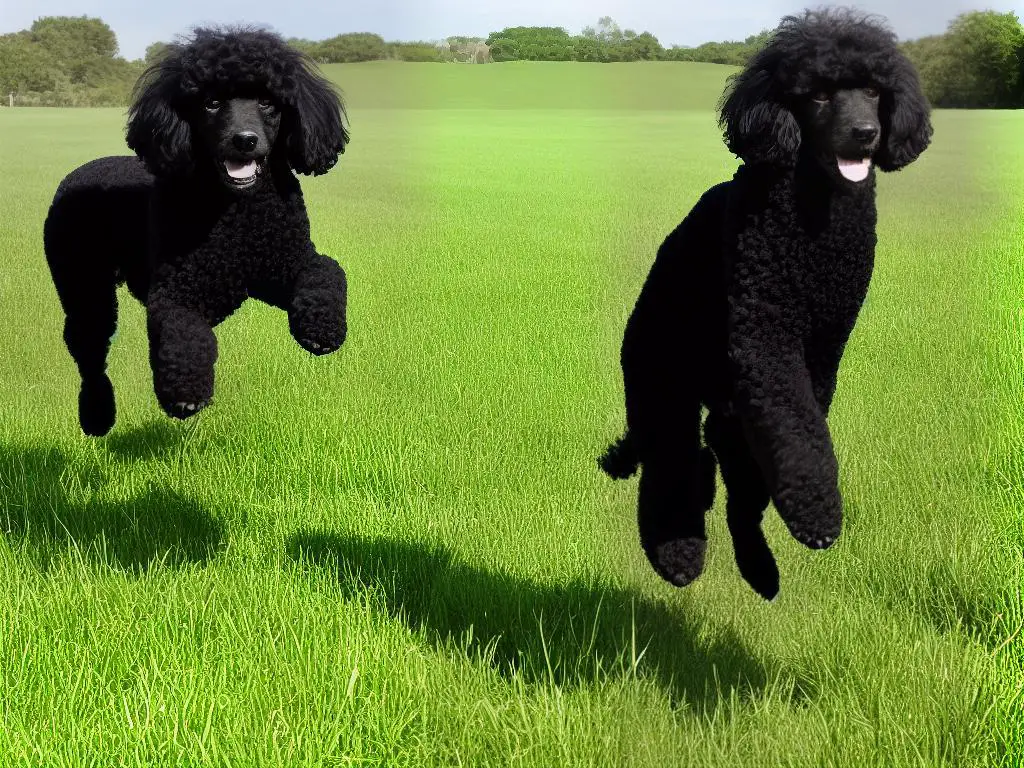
(243, 173)
(854, 170)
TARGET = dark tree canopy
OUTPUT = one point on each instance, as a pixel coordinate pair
(976, 63)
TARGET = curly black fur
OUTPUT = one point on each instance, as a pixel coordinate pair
(209, 214)
(750, 301)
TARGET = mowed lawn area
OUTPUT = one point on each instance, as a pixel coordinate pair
(404, 554)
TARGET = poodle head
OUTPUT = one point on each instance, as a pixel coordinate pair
(833, 86)
(229, 101)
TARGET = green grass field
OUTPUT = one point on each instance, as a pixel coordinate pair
(403, 554)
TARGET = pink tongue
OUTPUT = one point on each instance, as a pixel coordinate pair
(240, 170)
(854, 170)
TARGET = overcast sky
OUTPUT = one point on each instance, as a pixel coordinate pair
(680, 22)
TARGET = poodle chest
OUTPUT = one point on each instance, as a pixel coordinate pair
(250, 246)
(814, 266)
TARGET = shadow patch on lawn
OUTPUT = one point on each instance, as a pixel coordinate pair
(39, 488)
(152, 440)
(567, 634)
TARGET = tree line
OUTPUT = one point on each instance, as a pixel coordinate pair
(365, 46)
(73, 61)
(977, 62)
(607, 42)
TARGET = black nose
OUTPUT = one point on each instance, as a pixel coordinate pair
(865, 132)
(245, 141)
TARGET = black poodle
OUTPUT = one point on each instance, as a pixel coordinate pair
(211, 215)
(750, 301)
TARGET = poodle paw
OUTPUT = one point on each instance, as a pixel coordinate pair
(758, 568)
(819, 522)
(678, 561)
(814, 539)
(317, 348)
(181, 396)
(96, 409)
(319, 327)
(182, 410)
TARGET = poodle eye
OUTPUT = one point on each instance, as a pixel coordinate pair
(871, 93)
(821, 96)
(212, 105)
(266, 104)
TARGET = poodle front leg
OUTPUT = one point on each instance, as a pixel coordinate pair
(316, 307)
(786, 432)
(182, 352)
(823, 353)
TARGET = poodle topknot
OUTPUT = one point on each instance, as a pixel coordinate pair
(751, 299)
(208, 215)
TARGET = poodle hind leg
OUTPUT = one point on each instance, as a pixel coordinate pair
(673, 499)
(91, 309)
(746, 500)
(677, 488)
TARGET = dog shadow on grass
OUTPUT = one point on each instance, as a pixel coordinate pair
(51, 505)
(152, 440)
(566, 634)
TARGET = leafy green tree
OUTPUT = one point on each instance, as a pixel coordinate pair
(976, 63)
(936, 65)
(588, 48)
(155, 52)
(75, 36)
(988, 45)
(734, 53)
(308, 47)
(533, 43)
(605, 42)
(64, 60)
(503, 48)
(82, 46)
(25, 66)
(417, 51)
(351, 47)
(608, 31)
(646, 47)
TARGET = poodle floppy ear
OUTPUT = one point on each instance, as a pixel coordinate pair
(906, 127)
(757, 127)
(156, 131)
(316, 132)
